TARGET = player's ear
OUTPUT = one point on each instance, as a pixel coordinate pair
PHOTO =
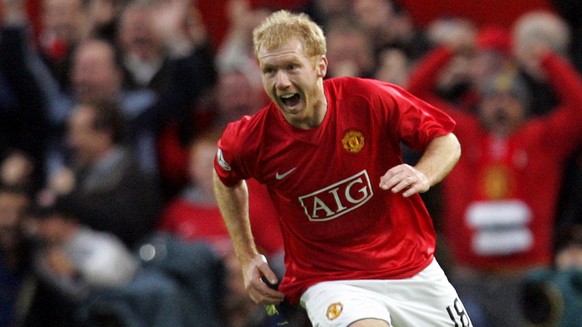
(321, 66)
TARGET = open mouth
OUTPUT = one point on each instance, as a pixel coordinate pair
(501, 116)
(290, 100)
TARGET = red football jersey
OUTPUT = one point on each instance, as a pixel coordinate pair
(336, 222)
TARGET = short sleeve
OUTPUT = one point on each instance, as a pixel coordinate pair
(226, 160)
(418, 122)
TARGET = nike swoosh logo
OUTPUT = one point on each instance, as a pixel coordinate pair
(281, 176)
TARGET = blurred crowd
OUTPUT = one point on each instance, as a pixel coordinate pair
(110, 113)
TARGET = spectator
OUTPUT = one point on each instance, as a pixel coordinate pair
(390, 26)
(194, 215)
(66, 23)
(103, 17)
(99, 277)
(73, 258)
(322, 11)
(501, 197)
(146, 54)
(23, 119)
(393, 67)
(63, 24)
(493, 51)
(96, 73)
(16, 282)
(454, 80)
(233, 97)
(105, 180)
(550, 29)
(350, 47)
(235, 53)
(531, 29)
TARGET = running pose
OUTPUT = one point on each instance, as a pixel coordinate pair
(359, 242)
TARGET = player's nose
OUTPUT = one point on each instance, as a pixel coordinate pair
(282, 80)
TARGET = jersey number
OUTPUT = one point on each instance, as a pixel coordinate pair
(458, 314)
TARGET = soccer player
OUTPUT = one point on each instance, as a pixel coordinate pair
(359, 242)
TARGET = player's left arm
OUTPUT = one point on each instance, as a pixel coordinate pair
(439, 158)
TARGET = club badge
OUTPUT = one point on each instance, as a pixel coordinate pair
(221, 161)
(353, 141)
(334, 310)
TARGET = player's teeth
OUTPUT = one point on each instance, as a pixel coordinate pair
(287, 96)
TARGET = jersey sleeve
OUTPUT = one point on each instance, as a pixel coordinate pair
(416, 121)
(227, 163)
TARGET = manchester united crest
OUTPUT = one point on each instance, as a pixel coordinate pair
(334, 310)
(353, 141)
(498, 182)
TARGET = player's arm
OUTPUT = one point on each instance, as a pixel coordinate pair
(436, 162)
(233, 204)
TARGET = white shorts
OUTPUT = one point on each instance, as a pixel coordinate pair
(427, 299)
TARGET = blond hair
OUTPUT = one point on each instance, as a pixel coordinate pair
(281, 26)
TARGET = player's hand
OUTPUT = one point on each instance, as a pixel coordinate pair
(530, 54)
(405, 178)
(258, 290)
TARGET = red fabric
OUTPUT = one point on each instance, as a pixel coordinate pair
(173, 157)
(336, 221)
(196, 222)
(495, 37)
(264, 220)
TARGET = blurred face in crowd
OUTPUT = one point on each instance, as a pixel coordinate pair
(236, 96)
(569, 258)
(12, 208)
(502, 113)
(333, 7)
(393, 67)
(87, 142)
(137, 34)
(95, 74)
(201, 164)
(63, 19)
(349, 52)
(373, 13)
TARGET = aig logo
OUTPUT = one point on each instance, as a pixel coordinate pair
(338, 199)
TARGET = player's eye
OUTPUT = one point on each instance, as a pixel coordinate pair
(269, 71)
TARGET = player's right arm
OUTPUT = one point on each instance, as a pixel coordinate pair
(233, 204)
